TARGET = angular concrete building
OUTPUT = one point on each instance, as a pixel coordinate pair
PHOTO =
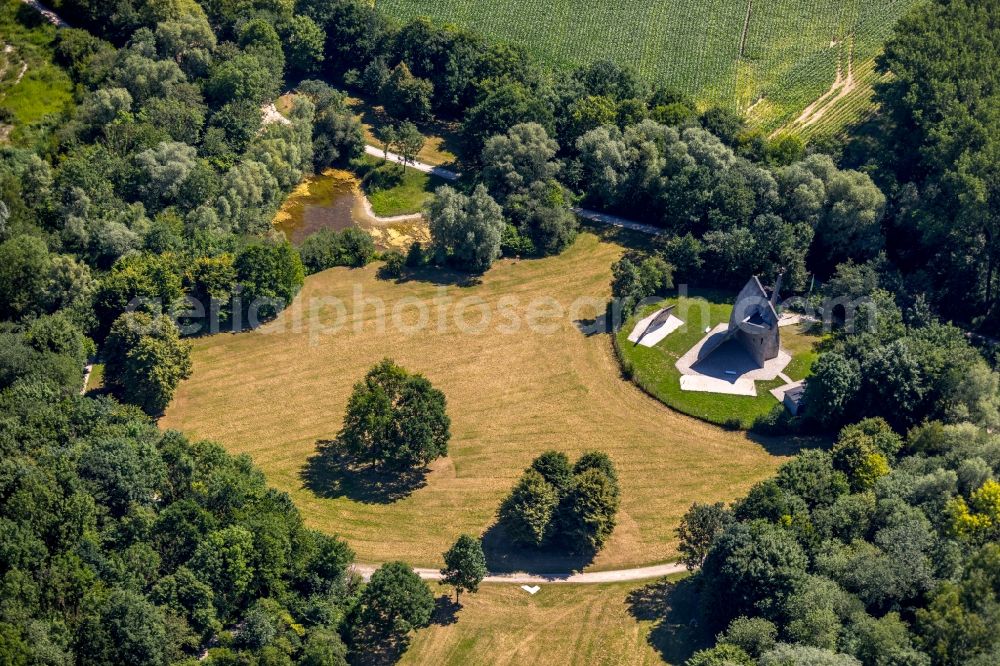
(754, 322)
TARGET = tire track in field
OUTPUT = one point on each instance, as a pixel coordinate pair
(746, 29)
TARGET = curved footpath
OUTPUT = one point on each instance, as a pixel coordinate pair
(592, 215)
(440, 172)
(584, 578)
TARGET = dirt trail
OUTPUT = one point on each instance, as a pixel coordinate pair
(746, 29)
(370, 213)
(842, 87)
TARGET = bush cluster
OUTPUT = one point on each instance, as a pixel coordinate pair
(555, 504)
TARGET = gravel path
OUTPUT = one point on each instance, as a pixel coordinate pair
(419, 166)
(604, 218)
(592, 215)
(585, 578)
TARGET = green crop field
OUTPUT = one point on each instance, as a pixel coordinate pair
(772, 58)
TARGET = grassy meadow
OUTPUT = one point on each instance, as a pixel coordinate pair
(31, 85)
(772, 56)
(654, 369)
(275, 392)
(409, 194)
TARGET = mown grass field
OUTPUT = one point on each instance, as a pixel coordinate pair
(274, 392)
(622, 623)
(655, 370)
(780, 54)
(31, 85)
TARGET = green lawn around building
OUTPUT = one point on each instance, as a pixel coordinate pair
(653, 368)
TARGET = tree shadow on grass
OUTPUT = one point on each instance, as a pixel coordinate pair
(383, 649)
(445, 610)
(503, 556)
(331, 473)
(673, 608)
(789, 445)
(381, 652)
(627, 238)
(592, 326)
(438, 276)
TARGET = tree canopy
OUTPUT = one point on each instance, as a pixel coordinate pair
(395, 420)
(556, 506)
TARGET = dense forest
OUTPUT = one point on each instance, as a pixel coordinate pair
(882, 550)
(120, 543)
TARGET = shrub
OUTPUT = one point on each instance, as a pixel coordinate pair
(326, 248)
(357, 247)
(415, 256)
(777, 422)
(514, 244)
(382, 177)
(732, 423)
(393, 266)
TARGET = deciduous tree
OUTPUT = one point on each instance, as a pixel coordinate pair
(395, 420)
(464, 565)
(145, 359)
(526, 514)
(466, 229)
(393, 603)
(699, 527)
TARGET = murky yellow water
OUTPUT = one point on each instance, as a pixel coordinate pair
(333, 200)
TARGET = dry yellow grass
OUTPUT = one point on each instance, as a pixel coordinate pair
(561, 624)
(439, 147)
(272, 393)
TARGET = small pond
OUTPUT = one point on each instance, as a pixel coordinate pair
(333, 200)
